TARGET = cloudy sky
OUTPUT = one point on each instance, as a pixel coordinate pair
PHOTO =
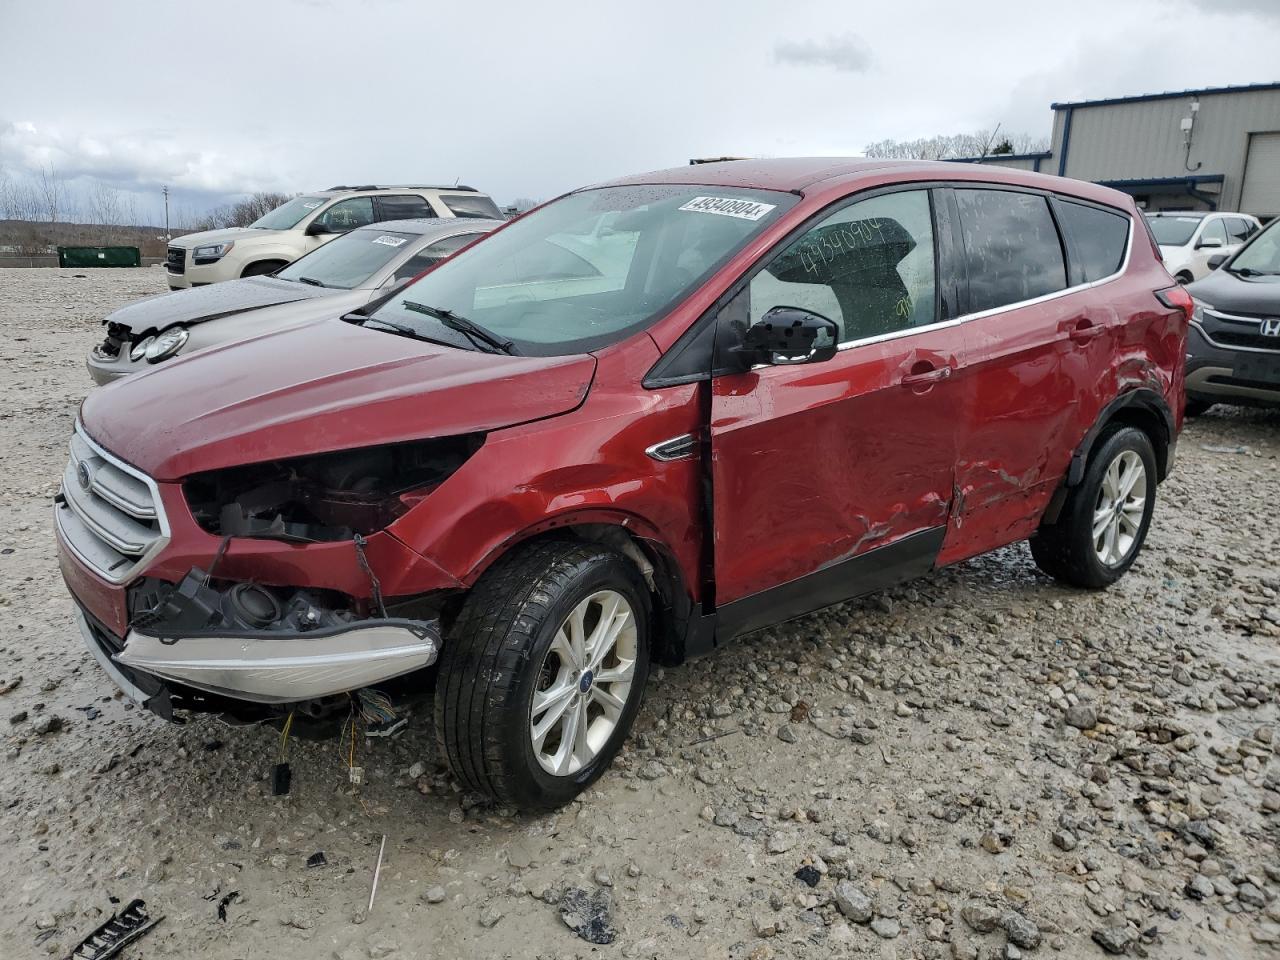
(530, 99)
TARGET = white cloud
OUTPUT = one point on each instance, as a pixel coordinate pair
(131, 160)
(848, 52)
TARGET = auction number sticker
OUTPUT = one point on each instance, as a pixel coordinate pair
(391, 241)
(729, 207)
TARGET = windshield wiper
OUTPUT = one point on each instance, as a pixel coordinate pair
(468, 328)
(312, 281)
(397, 328)
(1250, 272)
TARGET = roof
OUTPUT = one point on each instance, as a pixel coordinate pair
(426, 225)
(369, 187)
(1198, 214)
(1170, 95)
(1040, 155)
(799, 174)
(790, 174)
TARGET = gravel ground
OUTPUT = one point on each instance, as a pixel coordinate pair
(978, 764)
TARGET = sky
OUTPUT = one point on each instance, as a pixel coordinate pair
(529, 100)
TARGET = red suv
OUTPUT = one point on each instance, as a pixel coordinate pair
(638, 422)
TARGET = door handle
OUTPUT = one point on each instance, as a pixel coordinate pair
(1086, 330)
(928, 376)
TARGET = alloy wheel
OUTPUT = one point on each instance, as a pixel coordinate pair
(1117, 517)
(584, 683)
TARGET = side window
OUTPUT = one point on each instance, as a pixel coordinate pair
(470, 205)
(430, 255)
(1213, 230)
(407, 207)
(1098, 238)
(1011, 248)
(869, 267)
(348, 214)
(1239, 229)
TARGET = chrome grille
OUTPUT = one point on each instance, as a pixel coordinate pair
(176, 260)
(109, 513)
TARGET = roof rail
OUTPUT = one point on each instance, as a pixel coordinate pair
(461, 187)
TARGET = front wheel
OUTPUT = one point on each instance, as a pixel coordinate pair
(1105, 519)
(542, 673)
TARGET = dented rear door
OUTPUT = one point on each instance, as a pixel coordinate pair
(818, 465)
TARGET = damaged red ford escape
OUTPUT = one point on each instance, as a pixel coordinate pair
(624, 429)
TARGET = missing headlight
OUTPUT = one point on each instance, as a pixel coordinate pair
(329, 496)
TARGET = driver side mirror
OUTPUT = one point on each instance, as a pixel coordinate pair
(318, 228)
(787, 335)
(1210, 242)
(1217, 260)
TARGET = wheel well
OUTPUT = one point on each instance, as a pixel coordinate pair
(255, 268)
(672, 606)
(1144, 409)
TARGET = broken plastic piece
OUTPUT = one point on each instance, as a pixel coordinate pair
(115, 934)
(317, 859)
(281, 776)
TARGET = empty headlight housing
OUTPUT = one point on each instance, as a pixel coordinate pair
(211, 253)
(328, 496)
(165, 345)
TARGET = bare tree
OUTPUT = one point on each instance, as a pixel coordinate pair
(106, 207)
(242, 212)
(52, 193)
(946, 146)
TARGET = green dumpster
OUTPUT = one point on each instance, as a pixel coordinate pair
(99, 257)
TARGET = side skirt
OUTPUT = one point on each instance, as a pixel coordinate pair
(905, 559)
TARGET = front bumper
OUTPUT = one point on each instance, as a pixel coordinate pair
(104, 370)
(1212, 375)
(272, 669)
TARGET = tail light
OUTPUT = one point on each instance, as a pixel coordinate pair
(1176, 298)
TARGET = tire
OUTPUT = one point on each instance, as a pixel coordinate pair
(1184, 278)
(1066, 550)
(507, 644)
(262, 268)
(1195, 408)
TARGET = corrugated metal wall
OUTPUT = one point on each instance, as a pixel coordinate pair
(1144, 140)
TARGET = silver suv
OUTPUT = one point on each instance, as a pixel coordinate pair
(306, 222)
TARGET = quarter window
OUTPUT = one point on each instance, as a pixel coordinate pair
(1098, 240)
(1239, 229)
(1012, 249)
(869, 267)
(471, 205)
(348, 214)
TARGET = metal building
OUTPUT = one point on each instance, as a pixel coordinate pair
(1211, 149)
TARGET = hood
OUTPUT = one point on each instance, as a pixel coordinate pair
(1234, 294)
(189, 240)
(324, 386)
(198, 304)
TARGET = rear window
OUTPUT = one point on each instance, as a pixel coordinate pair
(1173, 231)
(403, 207)
(471, 205)
(1012, 249)
(1099, 240)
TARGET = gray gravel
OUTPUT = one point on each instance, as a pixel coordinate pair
(978, 764)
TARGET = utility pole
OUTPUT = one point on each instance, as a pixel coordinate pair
(167, 238)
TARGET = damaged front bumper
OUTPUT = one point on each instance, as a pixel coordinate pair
(286, 668)
(267, 646)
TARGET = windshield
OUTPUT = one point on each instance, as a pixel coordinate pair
(590, 268)
(288, 215)
(1261, 256)
(1173, 231)
(349, 260)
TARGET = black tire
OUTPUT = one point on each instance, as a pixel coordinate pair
(262, 268)
(1184, 278)
(1065, 549)
(1196, 407)
(493, 657)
